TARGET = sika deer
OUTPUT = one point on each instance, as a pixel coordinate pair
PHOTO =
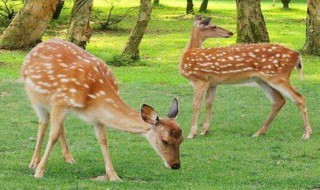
(268, 65)
(59, 77)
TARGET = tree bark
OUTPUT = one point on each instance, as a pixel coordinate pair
(156, 2)
(79, 28)
(251, 27)
(132, 46)
(58, 10)
(285, 4)
(312, 45)
(204, 6)
(189, 9)
(28, 26)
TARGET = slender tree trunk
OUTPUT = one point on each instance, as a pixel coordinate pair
(79, 29)
(189, 9)
(132, 46)
(251, 27)
(204, 6)
(156, 2)
(312, 45)
(285, 4)
(58, 10)
(28, 26)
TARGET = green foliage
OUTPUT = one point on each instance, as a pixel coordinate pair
(228, 158)
(8, 9)
(124, 60)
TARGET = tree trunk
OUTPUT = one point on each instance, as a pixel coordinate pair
(58, 10)
(285, 4)
(312, 45)
(204, 6)
(251, 27)
(156, 2)
(79, 28)
(189, 9)
(132, 46)
(28, 26)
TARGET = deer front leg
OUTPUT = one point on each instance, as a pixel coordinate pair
(110, 173)
(65, 149)
(43, 116)
(200, 88)
(57, 117)
(211, 92)
(277, 103)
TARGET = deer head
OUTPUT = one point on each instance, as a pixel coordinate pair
(165, 135)
(205, 29)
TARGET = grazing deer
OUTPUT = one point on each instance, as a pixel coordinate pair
(60, 77)
(266, 64)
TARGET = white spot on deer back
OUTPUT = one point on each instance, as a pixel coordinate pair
(64, 80)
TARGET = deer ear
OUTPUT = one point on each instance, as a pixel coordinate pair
(198, 18)
(149, 115)
(205, 22)
(174, 110)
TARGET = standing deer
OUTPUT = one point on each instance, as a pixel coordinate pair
(60, 77)
(268, 65)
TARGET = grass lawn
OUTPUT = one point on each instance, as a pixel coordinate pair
(228, 158)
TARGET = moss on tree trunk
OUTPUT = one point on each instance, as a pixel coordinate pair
(251, 27)
(204, 6)
(312, 45)
(189, 9)
(132, 47)
(156, 2)
(285, 4)
(79, 28)
(28, 26)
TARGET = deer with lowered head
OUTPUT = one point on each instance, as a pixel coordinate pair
(268, 65)
(60, 77)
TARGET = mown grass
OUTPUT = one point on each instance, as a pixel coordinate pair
(228, 158)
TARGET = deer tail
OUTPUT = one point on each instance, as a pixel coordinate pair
(299, 67)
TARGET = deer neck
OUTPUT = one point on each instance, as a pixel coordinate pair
(196, 41)
(120, 116)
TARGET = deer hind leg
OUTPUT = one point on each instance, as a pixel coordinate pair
(277, 103)
(57, 117)
(286, 89)
(65, 149)
(101, 136)
(211, 92)
(43, 116)
(200, 88)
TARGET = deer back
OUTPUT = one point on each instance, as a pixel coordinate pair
(238, 63)
(65, 73)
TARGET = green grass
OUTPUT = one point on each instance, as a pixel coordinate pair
(228, 158)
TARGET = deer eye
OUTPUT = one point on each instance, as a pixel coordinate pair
(164, 142)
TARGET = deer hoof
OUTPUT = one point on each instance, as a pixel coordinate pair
(204, 132)
(191, 136)
(69, 159)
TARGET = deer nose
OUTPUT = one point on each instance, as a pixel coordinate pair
(175, 166)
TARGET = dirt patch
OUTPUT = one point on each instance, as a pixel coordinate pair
(2, 94)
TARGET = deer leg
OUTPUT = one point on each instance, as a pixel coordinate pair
(43, 116)
(298, 99)
(101, 136)
(200, 88)
(277, 103)
(65, 149)
(57, 117)
(209, 101)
